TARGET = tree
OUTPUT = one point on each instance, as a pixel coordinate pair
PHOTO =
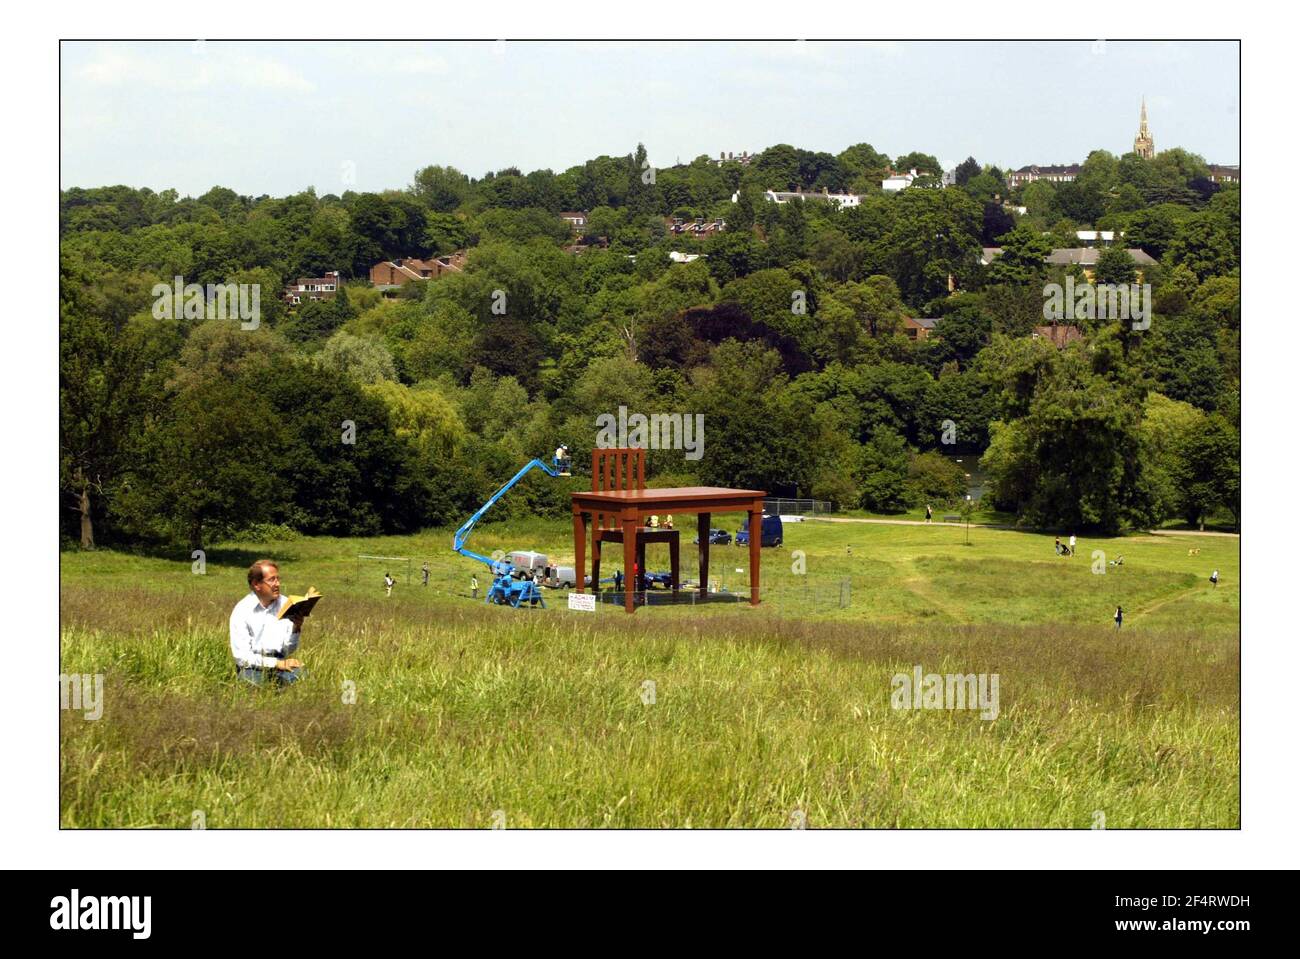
(932, 476)
(1115, 265)
(1213, 471)
(884, 473)
(110, 375)
(187, 487)
(966, 169)
(920, 162)
(835, 255)
(1168, 429)
(364, 359)
(1024, 252)
(444, 233)
(1207, 244)
(934, 236)
(1073, 461)
(441, 188)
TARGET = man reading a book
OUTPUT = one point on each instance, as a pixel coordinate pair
(260, 641)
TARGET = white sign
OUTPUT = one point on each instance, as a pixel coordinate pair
(583, 601)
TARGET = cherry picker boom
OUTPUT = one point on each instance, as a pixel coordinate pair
(505, 589)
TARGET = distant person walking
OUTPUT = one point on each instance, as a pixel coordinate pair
(424, 574)
(1119, 616)
(473, 586)
(1071, 544)
(929, 513)
(1214, 578)
(618, 581)
(389, 583)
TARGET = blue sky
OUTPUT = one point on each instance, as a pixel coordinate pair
(279, 117)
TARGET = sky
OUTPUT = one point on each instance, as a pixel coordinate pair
(275, 118)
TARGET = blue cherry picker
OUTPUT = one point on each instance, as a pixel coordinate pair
(505, 589)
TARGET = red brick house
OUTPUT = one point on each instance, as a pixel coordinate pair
(390, 274)
(917, 328)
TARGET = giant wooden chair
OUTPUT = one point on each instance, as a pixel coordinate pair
(616, 470)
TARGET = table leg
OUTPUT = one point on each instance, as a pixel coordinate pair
(702, 525)
(755, 544)
(579, 542)
(629, 561)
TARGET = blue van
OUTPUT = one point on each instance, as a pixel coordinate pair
(773, 532)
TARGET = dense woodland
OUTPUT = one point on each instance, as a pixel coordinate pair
(786, 335)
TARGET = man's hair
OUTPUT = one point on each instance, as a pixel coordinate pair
(255, 573)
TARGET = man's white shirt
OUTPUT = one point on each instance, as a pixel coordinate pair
(257, 638)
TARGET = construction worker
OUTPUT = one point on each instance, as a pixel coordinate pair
(389, 582)
(424, 574)
(562, 461)
(473, 585)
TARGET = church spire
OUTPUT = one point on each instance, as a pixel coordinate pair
(1144, 145)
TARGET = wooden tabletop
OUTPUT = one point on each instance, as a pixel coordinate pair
(668, 493)
(669, 496)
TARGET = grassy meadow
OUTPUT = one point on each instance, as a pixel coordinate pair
(465, 715)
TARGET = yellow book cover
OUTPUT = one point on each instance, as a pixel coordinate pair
(300, 604)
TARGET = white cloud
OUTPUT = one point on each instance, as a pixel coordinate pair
(388, 58)
(191, 66)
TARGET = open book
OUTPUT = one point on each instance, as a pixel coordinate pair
(300, 604)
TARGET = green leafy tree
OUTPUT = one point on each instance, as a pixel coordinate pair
(884, 473)
(1024, 251)
(363, 358)
(1115, 265)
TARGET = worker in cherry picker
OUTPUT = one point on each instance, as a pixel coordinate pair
(562, 461)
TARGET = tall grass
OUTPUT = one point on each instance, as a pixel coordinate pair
(464, 712)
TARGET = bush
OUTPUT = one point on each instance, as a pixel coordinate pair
(932, 476)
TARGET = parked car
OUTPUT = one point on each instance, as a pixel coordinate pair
(772, 533)
(717, 537)
(658, 580)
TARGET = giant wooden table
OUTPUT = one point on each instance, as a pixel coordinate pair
(633, 505)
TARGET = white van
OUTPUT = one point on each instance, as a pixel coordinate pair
(526, 562)
(558, 577)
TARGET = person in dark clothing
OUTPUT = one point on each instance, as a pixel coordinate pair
(1119, 616)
